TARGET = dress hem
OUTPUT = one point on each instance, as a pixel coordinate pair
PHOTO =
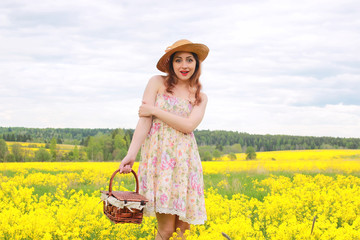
(151, 212)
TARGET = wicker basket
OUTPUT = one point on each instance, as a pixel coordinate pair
(129, 205)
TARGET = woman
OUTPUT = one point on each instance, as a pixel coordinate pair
(170, 172)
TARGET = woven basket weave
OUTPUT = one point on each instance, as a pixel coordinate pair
(124, 215)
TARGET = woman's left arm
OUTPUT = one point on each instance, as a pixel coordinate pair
(182, 124)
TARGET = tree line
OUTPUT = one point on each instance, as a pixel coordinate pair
(45, 135)
(101, 147)
(112, 144)
(80, 136)
(274, 142)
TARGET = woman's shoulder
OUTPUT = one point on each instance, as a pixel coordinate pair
(158, 81)
(203, 96)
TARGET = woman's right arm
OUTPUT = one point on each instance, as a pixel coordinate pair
(143, 126)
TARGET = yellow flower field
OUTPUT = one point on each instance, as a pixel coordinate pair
(317, 155)
(61, 200)
(303, 160)
(29, 148)
(31, 145)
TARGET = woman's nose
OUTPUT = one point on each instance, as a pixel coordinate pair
(184, 64)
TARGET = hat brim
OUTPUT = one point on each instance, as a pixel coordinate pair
(201, 51)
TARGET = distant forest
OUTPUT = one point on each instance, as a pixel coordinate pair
(219, 139)
(112, 144)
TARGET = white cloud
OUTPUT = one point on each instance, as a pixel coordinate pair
(274, 66)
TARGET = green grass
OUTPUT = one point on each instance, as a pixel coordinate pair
(11, 173)
(52, 172)
(8, 173)
(243, 182)
(41, 189)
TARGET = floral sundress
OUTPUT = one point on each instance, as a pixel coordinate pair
(170, 171)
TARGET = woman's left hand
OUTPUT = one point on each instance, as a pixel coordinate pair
(146, 110)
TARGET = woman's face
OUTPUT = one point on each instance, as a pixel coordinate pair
(184, 65)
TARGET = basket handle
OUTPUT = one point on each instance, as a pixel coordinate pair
(113, 175)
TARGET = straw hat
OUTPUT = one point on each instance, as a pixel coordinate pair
(182, 46)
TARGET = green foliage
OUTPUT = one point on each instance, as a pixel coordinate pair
(217, 154)
(10, 158)
(95, 148)
(53, 148)
(205, 156)
(3, 149)
(235, 148)
(205, 152)
(18, 152)
(76, 153)
(272, 142)
(219, 147)
(119, 154)
(221, 139)
(112, 144)
(119, 142)
(232, 156)
(42, 155)
(44, 135)
(108, 147)
(250, 153)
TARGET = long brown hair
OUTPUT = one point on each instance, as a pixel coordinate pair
(194, 80)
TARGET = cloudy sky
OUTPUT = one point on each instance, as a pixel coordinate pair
(274, 67)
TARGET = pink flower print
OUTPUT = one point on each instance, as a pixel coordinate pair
(200, 190)
(165, 159)
(154, 161)
(172, 163)
(143, 185)
(171, 100)
(179, 204)
(154, 128)
(194, 181)
(190, 106)
(166, 97)
(163, 199)
(167, 162)
(200, 213)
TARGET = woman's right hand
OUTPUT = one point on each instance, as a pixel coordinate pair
(126, 164)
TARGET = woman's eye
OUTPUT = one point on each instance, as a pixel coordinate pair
(177, 60)
(190, 60)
